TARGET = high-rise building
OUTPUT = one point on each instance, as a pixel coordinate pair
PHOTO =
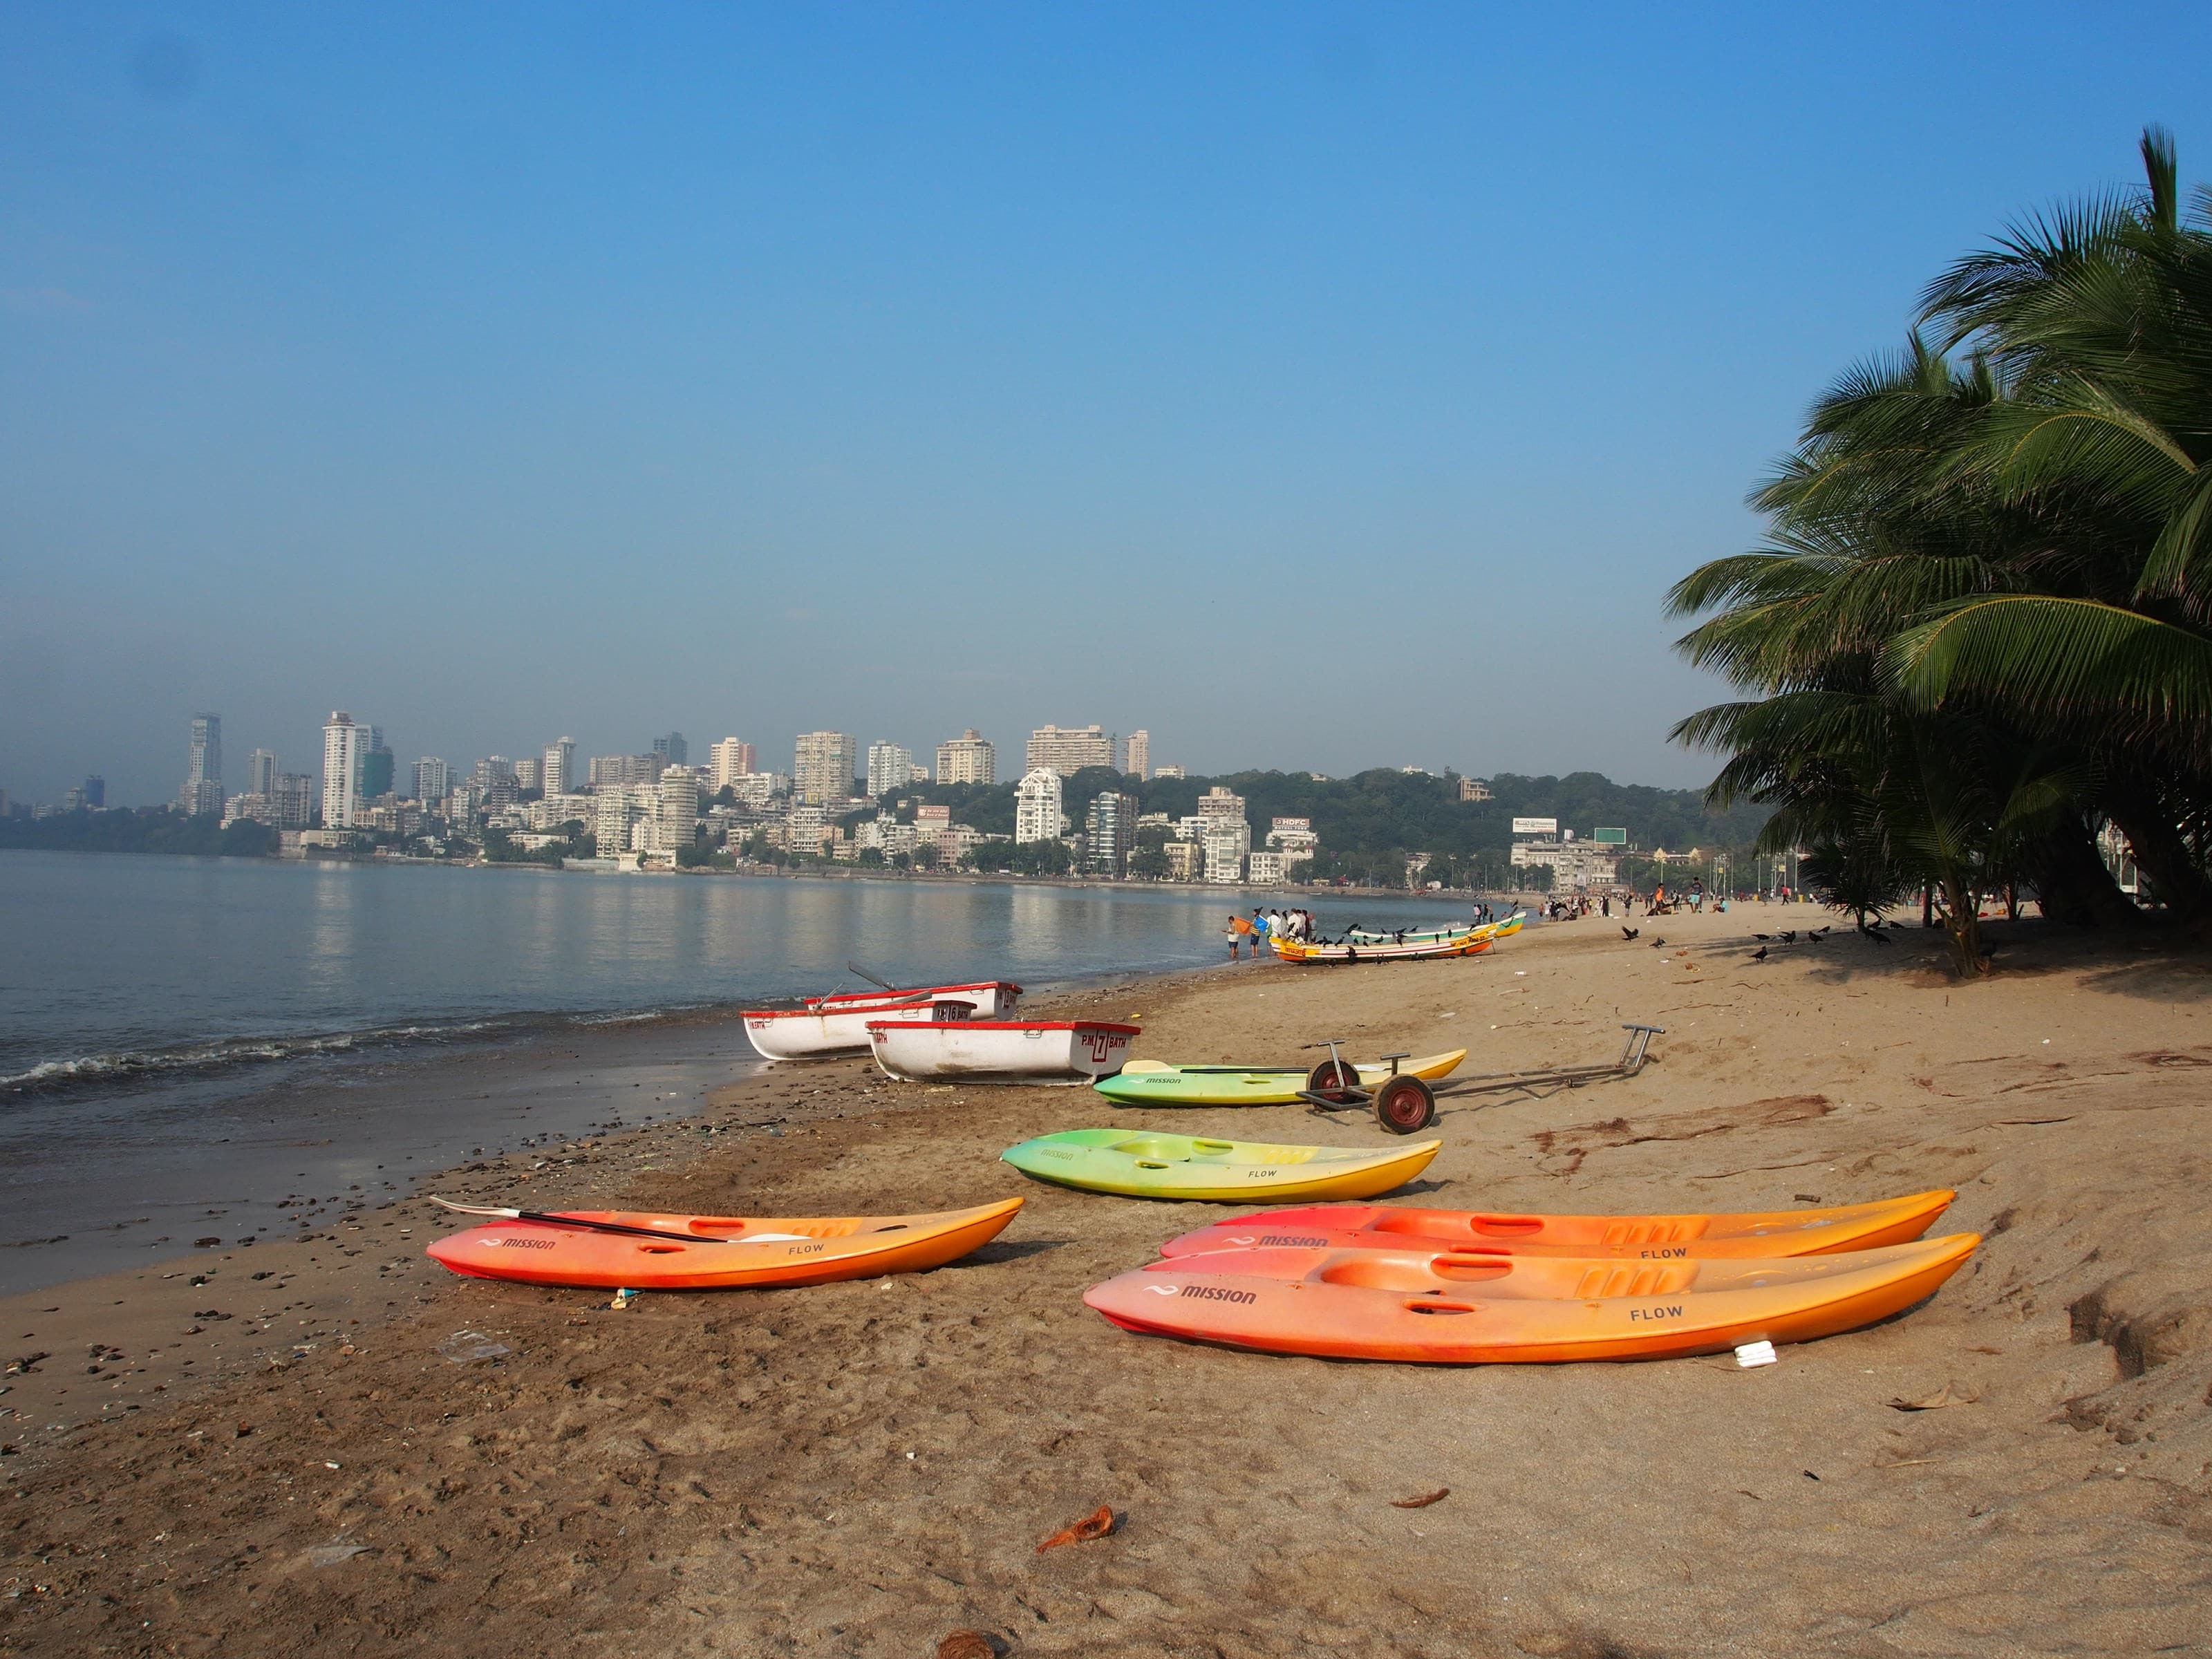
(889, 767)
(730, 760)
(1167, 772)
(491, 770)
(618, 771)
(1110, 832)
(431, 780)
(1069, 751)
(261, 772)
(1037, 815)
(345, 745)
(530, 773)
(1137, 754)
(968, 759)
(560, 774)
(823, 771)
(672, 749)
(676, 824)
(96, 794)
(292, 801)
(203, 789)
(1220, 803)
(379, 768)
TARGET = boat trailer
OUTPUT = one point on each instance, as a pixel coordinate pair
(1405, 1104)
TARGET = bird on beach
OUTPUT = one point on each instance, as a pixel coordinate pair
(1760, 955)
(1815, 939)
(1879, 938)
(1820, 932)
(1789, 938)
(1762, 936)
(1658, 944)
(1630, 932)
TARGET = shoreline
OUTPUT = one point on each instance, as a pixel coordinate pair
(860, 1468)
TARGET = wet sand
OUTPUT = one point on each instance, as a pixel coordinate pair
(863, 1468)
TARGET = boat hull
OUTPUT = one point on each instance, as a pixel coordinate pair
(1136, 1165)
(719, 1252)
(815, 1034)
(1645, 1238)
(1002, 1051)
(1295, 951)
(1409, 1307)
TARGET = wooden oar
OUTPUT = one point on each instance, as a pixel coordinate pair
(551, 1219)
(870, 977)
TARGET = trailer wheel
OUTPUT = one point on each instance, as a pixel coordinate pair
(1337, 1080)
(1405, 1104)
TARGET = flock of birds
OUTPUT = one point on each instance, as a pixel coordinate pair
(1873, 930)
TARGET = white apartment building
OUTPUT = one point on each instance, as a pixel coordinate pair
(1226, 842)
(675, 817)
(558, 776)
(1294, 838)
(344, 746)
(1220, 803)
(1037, 814)
(1266, 869)
(432, 780)
(822, 768)
(968, 759)
(261, 772)
(729, 760)
(806, 825)
(1572, 863)
(756, 789)
(1169, 772)
(619, 815)
(554, 811)
(530, 773)
(889, 767)
(1068, 752)
(203, 786)
(1137, 754)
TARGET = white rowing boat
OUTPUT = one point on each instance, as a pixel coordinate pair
(992, 999)
(1002, 1051)
(827, 1034)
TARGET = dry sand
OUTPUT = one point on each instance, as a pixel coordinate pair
(863, 1468)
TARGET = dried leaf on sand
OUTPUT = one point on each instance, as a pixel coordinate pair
(1096, 1525)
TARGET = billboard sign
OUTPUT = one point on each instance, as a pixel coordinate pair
(1535, 826)
(1605, 837)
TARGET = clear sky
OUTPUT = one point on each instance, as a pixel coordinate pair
(1315, 386)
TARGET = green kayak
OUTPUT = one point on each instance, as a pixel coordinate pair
(1154, 1083)
(1137, 1164)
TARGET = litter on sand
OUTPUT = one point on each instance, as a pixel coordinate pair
(468, 1347)
(1423, 1501)
(329, 1555)
(1097, 1525)
(1755, 1353)
(967, 1644)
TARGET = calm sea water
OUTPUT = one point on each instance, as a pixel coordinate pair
(178, 1036)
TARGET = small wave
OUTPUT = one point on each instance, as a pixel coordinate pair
(103, 1070)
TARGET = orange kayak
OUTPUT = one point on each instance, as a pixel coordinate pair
(1647, 1238)
(717, 1253)
(1467, 1309)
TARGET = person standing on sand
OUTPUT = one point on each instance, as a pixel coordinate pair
(1238, 930)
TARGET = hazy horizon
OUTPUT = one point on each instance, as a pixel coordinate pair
(1314, 387)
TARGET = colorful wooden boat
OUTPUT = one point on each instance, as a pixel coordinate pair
(992, 999)
(828, 1033)
(1488, 1309)
(1652, 1237)
(1157, 1083)
(716, 1252)
(1002, 1051)
(1472, 944)
(1139, 1165)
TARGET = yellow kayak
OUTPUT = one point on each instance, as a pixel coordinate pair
(1158, 1083)
(1141, 1166)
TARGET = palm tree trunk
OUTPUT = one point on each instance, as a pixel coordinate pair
(2070, 880)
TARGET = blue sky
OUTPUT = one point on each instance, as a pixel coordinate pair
(1315, 386)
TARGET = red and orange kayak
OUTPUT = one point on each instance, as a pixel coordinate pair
(1646, 1237)
(717, 1253)
(1486, 1307)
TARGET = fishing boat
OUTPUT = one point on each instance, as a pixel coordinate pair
(1157, 1083)
(832, 1033)
(1482, 1308)
(992, 999)
(619, 1249)
(1646, 1237)
(1141, 1165)
(1487, 930)
(1001, 1051)
(1471, 944)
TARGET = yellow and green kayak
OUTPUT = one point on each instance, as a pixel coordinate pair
(1157, 1083)
(1142, 1165)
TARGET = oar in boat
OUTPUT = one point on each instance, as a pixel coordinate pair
(553, 1219)
(856, 968)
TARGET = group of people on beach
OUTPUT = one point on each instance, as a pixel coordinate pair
(1263, 926)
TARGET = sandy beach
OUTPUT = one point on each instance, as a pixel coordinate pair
(262, 1451)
